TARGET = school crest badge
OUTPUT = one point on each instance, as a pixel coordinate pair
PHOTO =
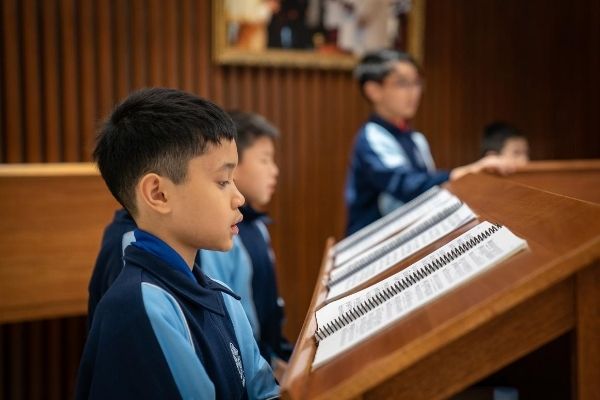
(238, 362)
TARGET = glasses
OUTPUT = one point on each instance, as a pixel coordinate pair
(405, 84)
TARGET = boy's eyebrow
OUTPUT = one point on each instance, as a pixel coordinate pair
(227, 166)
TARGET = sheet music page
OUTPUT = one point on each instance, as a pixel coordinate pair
(457, 219)
(337, 307)
(386, 219)
(491, 251)
(437, 201)
(425, 222)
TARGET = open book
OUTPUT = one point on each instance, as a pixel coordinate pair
(400, 218)
(443, 219)
(348, 321)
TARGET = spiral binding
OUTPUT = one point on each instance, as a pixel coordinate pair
(404, 209)
(380, 297)
(394, 244)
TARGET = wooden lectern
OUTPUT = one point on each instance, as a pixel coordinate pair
(497, 317)
(574, 178)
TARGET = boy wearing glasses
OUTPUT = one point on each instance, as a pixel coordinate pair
(391, 163)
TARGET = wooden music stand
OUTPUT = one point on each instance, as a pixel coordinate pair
(574, 178)
(495, 318)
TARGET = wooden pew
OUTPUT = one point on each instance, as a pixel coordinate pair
(496, 318)
(52, 218)
(574, 178)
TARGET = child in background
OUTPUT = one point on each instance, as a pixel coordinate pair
(391, 163)
(164, 329)
(256, 178)
(504, 140)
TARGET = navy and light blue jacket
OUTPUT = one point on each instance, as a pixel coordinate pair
(252, 278)
(165, 331)
(389, 167)
(250, 269)
(109, 262)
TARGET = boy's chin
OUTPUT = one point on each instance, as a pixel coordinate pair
(225, 246)
(262, 203)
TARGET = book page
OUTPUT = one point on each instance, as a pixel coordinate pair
(390, 227)
(491, 251)
(457, 219)
(349, 241)
(335, 308)
(425, 222)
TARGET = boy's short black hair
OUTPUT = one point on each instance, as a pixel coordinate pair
(496, 134)
(156, 130)
(251, 126)
(377, 65)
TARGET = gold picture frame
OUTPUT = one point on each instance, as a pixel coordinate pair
(226, 55)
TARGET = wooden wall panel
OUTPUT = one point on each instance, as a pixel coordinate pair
(105, 38)
(31, 80)
(70, 76)
(39, 359)
(531, 63)
(51, 122)
(91, 68)
(65, 63)
(12, 113)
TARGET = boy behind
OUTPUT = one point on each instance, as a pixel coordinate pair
(391, 163)
(164, 329)
(504, 140)
(256, 177)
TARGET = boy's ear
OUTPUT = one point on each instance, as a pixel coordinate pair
(152, 189)
(372, 90)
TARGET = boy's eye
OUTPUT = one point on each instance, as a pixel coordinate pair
(223, 183)
(405, 84)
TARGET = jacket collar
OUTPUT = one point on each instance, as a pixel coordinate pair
(163, 263)
(153, 245)
(391, 127)
(123, 215)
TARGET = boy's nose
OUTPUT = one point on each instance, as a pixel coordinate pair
(238, 198)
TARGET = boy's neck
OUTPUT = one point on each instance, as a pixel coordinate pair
(400, 123)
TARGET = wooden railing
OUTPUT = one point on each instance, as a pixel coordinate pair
(52, 217)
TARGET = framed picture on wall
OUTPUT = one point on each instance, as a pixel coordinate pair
(326, 34)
